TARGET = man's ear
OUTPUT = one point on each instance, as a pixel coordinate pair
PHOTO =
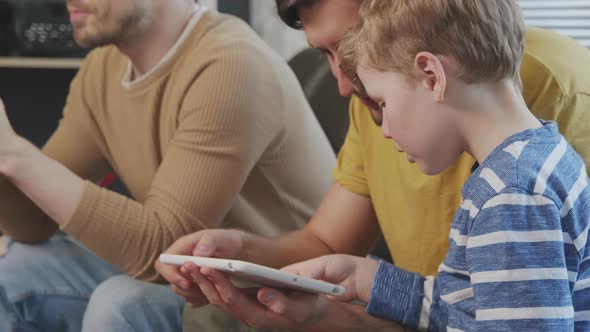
(431, 73)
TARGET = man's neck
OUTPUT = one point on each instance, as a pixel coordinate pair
(148, 48)
(497, 111)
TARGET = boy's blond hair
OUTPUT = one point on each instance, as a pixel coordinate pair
(486, 37)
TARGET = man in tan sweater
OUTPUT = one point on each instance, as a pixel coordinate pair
(205, 125)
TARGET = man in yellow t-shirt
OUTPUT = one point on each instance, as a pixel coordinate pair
(376, 186)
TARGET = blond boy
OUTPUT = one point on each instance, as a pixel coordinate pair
(445, 76)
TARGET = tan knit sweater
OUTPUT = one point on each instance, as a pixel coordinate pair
(220, 135)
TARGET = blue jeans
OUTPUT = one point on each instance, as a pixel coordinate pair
(61, 286)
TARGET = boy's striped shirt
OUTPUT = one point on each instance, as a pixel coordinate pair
(518, 255)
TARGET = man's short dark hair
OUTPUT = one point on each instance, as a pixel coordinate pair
(288, 11)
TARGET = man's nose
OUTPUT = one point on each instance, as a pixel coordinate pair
(344, 85)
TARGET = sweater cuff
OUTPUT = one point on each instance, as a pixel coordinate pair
(396, 295)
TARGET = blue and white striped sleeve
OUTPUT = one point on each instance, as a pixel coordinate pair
(407, 298)
(517, 265)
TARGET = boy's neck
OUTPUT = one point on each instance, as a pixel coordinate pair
(490, 113)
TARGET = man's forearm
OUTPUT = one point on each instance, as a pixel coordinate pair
(51, 186)
(287, 249)
(344, 223)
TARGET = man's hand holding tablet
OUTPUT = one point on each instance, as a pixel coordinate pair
(261, 275)
(270, 307)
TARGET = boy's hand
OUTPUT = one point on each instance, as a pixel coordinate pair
(207, 243)
(354, 273)
(296, 311)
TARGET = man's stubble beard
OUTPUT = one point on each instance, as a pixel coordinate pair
(126, 29)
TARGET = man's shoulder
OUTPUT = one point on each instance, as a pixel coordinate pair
(552, 58)
(226, 29)
(219, 35)
(227, 46)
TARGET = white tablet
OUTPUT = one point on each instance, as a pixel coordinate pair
(259, 274)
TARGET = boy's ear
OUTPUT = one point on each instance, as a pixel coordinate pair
(431, 74)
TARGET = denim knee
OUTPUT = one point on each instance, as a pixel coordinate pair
(44, 287)
(121, 303)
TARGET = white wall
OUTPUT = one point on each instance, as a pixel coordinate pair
(209, 3)
(568, 17)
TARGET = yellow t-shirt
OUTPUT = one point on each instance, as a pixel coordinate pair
(415, 210)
